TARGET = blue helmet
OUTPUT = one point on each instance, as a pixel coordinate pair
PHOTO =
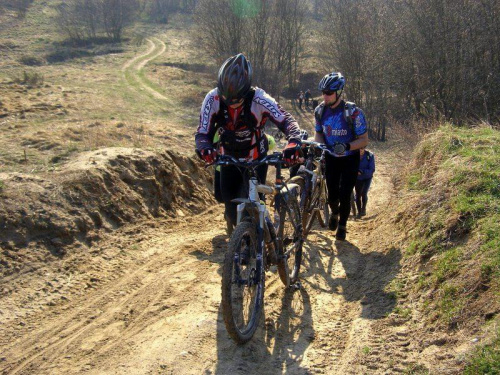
(332, 82)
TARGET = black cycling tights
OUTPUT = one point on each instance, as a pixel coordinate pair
(234, 184)
(341, 176)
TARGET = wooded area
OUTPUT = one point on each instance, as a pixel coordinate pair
(405, 61)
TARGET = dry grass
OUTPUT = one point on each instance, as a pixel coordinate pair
(87, 103)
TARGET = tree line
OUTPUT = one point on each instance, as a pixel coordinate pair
(418, 60)
(87, 20)
(405, 60)
(270, 32)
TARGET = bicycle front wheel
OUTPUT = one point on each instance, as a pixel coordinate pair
(324, 208)
(304, 202)
(242, 284)
(290, 240)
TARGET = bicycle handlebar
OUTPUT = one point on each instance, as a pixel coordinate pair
(273, 159)
(321, 146)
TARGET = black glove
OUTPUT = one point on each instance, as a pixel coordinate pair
(340, 148)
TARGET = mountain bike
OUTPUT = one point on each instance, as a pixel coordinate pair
(256, 244)
(312, 182)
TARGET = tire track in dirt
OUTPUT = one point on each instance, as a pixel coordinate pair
(132, 69)
(162, 314)
(128, 291)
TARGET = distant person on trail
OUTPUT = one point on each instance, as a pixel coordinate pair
(238, 112)
(301, 99)
(307, 97)
(365, 176)
(342, 127)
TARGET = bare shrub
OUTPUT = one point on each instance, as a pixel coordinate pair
(31, 79)
(83, 20)
(116, 15)
(31, 60)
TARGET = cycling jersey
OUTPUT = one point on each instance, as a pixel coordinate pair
(335, 128)
(242, 136)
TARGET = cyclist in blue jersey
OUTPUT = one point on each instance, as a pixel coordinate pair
(342, 127)
(365, 176)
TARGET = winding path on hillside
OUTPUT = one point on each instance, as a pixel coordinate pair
(133, 69)
(153, 306)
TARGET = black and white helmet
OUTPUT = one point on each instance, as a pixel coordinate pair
(235, 79)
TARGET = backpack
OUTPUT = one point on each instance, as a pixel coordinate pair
(228, 138)
(350, 113)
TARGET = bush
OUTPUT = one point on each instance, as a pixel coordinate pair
(31, 61)
(32, 79)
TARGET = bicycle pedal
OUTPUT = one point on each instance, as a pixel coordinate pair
(297, 285)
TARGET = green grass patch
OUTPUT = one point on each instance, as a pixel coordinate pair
(450, 304)
(486, 360)
(455, 225)
(447, 265)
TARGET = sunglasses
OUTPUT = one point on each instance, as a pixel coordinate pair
(331, 92)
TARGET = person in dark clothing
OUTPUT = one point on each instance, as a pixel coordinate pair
(365, 176)
(301, 99)
(307, 97)
(238, 112)
(344, 134)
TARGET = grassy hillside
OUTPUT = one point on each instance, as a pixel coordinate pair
(449, 208)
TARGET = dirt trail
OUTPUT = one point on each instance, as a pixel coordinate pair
(132, 68)
(154, 306)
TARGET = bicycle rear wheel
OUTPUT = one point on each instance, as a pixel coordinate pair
(324, 208)
(242, 288)
(304, 202)
(290, 243)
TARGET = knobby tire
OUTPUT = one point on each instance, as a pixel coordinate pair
(290, 244)
(241, 326)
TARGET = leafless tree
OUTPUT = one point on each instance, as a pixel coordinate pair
(116, 15)
(220, 28)
(417, 59)
(270, 32)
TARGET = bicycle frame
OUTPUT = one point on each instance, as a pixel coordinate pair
(257, 211)
(312, 174)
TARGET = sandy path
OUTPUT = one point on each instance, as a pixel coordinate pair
(157, 310)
